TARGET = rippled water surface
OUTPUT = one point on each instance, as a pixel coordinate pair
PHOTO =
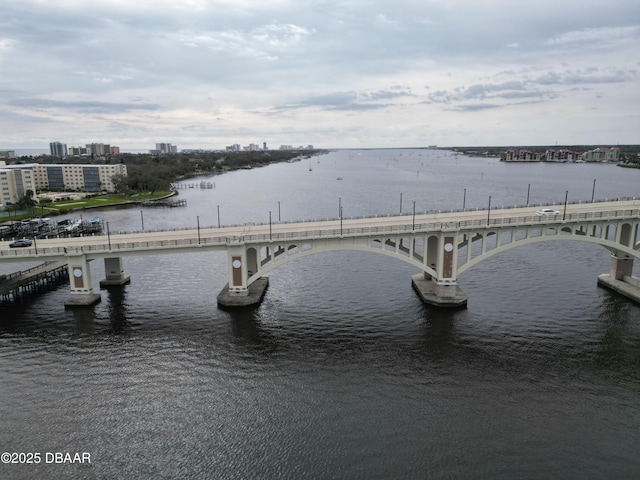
(341, 372)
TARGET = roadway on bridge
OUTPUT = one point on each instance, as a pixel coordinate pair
(275, 229)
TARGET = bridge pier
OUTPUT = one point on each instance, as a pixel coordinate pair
(237, 293)
(441, 291)
(114, 273)
(620, 278)
(82, 294)
(438, 294)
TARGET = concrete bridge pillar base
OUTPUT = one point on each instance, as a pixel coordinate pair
(620, 280)
(82, 294)
(82, 300)
(234, 298)
(443, 295)
(114, 273)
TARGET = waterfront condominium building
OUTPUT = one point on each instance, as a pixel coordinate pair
(15, 180)
(58, 149)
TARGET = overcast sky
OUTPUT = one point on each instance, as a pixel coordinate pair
(332, 73)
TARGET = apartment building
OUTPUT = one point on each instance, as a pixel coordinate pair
(15, 180)
(14, 183)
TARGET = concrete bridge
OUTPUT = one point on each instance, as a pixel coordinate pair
(440, 245)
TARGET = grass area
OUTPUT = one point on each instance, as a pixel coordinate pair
(63, 207)
(105, 200)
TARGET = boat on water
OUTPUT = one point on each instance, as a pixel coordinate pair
(339, 178)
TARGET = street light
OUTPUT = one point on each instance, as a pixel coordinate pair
(464, 199)
(340, 220)
(401, 204)
(566, 195)
(278, 210)
(413, 223)
(489, 210)
(593, 192)
(270, 236)
(528, 190)
(198, 221)
(218, 216)
(142, 220)
(108, 236)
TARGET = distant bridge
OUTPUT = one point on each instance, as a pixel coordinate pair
(441, 245)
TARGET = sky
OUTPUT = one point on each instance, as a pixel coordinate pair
(328, 73)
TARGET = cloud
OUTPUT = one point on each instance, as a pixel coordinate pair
(80, 106)
(252, 69)
(596, 35)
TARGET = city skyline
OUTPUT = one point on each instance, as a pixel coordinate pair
(334, 74)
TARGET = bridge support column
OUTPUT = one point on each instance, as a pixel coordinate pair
(620, 278)
(114, 273)
(432, 292)
(238, 293)
(442, 291)
(82, 294)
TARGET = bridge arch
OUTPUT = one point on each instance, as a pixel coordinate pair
(612, 246)
(273, 256)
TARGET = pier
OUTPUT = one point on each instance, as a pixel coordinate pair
(165, 203)
(41, 278)
(179, 186)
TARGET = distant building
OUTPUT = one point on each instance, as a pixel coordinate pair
(7, 154)
(233, 148)
(522, 156)
(164, 149)
(562, 155)
(602, 154)
(264, 146)
(79, 151)
(58, 149)
(94, 149)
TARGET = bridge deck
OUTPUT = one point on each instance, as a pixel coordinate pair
(219, 238)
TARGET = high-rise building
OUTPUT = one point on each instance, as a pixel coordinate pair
(164, 149)
(58, 149)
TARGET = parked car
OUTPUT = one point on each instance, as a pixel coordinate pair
(547, 211)
(23, 242)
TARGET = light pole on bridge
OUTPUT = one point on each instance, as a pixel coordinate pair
(198, 222)
(413, 223)
(108, 236)
(528, 191)
(270, 236)
(464, 199)
(489, 210)
(566, 195)
(593, 192)
(218, 216)
(400, 203)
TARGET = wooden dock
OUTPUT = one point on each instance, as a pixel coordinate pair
(165, 203)
(41, 278)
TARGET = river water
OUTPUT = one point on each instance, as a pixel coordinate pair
(341, 372)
